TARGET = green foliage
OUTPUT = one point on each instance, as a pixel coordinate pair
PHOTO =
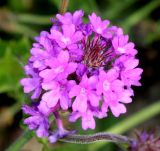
(13, 55)
(20, 5)
(23, 19)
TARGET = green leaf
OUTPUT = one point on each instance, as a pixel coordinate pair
(11, 70)
(140, 14)
(20, 5)
(88, 6)
(56, 3)
(34, 19)
(116, 8)
(8, 75)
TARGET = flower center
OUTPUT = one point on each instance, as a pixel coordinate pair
(96, 51)
(106, 85)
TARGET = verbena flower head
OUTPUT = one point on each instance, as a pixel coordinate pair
(86, 69)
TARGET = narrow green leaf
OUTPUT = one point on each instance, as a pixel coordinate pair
(140, 14)
(34, 19)
(116, 8)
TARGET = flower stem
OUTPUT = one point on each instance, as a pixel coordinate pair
(64, 6)
(58, 121)
(88, 139)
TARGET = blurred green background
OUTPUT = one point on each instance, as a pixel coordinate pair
(21, 20)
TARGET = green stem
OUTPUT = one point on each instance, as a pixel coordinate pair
(131, 122)
(21, 141)
(92, 138)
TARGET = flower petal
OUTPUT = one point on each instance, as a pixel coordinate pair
(94, 99)
(80, 103)
(74, 91)
(51, 98)
(118, 109)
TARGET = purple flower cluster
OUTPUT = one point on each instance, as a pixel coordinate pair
(145, 142)
(86, 69)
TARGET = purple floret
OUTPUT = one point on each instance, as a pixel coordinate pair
(32, 83)
(37, 121)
